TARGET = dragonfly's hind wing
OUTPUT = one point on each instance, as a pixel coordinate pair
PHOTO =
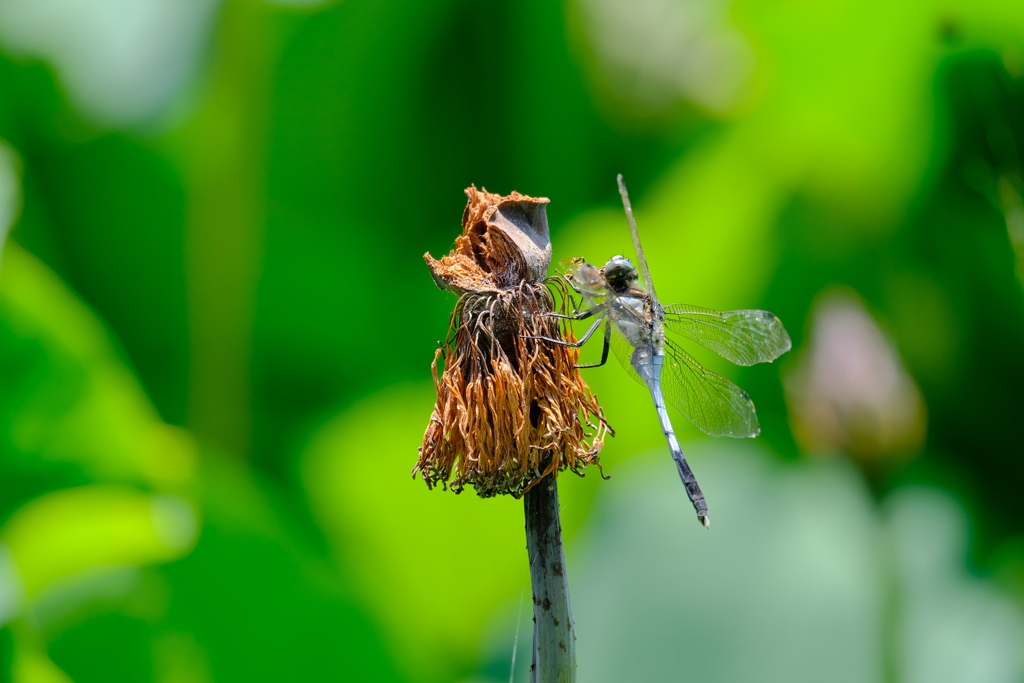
(744, 337)
(623, 350)
(712, 403)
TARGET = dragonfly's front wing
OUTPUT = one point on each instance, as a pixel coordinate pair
(744, 337)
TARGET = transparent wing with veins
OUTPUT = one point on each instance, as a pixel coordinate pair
(645, 272)
(712, 403)
(743, 337)
(587, 280)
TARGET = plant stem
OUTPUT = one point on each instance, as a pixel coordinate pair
(554, 640)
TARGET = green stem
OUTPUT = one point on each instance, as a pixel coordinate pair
(554, 639)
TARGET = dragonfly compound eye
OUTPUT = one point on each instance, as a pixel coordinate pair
(620, 272)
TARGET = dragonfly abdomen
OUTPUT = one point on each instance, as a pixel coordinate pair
(649, 368)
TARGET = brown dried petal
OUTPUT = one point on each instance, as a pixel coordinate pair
(501, 426)
(459, 273)
(504, 242)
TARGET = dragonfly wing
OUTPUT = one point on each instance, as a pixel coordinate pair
(645, 272)
(744, 337)
(712, 403)
(586, 279)
(623, 350)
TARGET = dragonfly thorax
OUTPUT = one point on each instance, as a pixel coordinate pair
(620, 274)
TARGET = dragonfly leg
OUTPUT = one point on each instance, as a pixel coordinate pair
(582, 315)
(604, 351)
(568, 281)
(564, 277)
(576, 344)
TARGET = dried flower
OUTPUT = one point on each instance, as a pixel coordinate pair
(510, 409)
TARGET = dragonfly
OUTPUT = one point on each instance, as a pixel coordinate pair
(635, 323)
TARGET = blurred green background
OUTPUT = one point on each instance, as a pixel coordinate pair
(216, 329)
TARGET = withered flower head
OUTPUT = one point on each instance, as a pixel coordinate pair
(510, 409)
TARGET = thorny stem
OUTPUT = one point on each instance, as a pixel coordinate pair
(554, 640)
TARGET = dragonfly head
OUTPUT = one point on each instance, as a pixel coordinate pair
(620, 273)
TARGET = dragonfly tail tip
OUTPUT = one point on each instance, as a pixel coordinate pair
(705, 521)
